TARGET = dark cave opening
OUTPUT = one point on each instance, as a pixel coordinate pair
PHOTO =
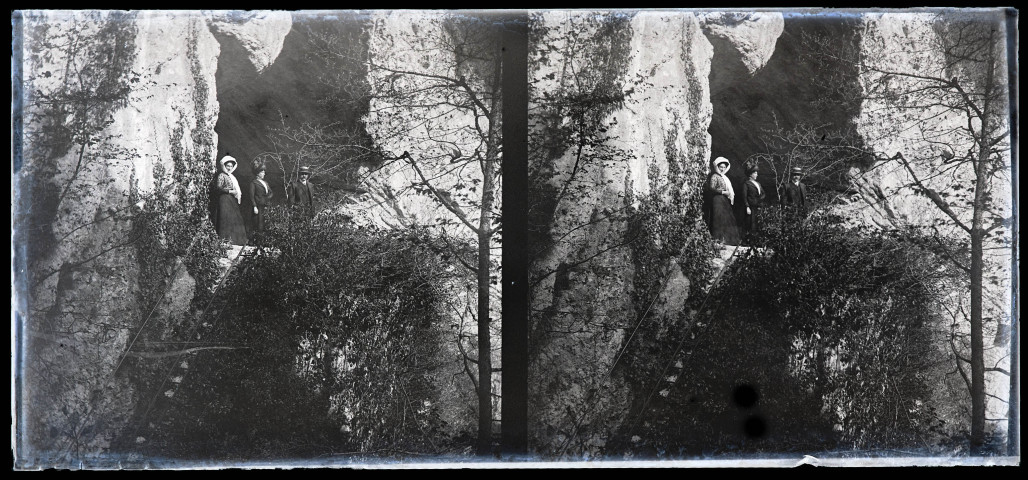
(255, 106)
(793, 88)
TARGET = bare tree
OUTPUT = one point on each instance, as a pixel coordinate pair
(334, 153)
(432, 90)
(934, 115)
(823, 152)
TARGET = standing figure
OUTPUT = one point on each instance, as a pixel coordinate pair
(722, 221)
(300, 193)
(795, 198)
(754, 200)
(228, 221)
(260, 197)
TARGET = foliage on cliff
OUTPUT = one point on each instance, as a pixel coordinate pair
(78, 74)
(331, 336)
(837, 333)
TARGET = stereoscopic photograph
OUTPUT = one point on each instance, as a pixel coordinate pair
(514, 239)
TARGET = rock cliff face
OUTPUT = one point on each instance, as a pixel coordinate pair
(935, 139)
(261, 34)
(903, 43)
(638, 144)
(414, 83)
(117, 108)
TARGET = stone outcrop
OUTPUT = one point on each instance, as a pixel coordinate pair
(743, 43)
(147, 81)
(260, 33)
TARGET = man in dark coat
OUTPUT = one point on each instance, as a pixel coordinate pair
(795, 198)
(300, 193)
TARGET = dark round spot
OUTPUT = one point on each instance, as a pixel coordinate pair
(745, 396)
(754, 426)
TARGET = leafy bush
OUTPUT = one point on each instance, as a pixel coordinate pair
(335, 332)
(832, 328)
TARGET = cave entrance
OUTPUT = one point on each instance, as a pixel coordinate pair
(787, 91)
(257, 109)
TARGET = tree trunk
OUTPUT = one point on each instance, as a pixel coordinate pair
(485, 365)
(977, 264)
(977, 343)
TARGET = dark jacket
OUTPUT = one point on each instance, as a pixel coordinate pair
(754, 201)
(795, 196)
(300, 194)
(754, 197)
(258, 195)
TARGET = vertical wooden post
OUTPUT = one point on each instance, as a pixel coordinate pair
(514, 342)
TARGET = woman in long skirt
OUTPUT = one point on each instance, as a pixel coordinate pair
(260, 197)
(723, 226)
(754, 200)
(228, 221)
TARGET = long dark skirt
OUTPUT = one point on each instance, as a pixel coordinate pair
(723, 226)
(260, 220)
(754, 223)
(228, 222)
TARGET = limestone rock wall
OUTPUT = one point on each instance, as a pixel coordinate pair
(416, 43)
(643, 140)
(114, 104)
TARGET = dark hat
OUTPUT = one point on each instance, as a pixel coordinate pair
(305, 171)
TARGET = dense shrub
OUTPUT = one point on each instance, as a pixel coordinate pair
(832, 328)
(335, 332)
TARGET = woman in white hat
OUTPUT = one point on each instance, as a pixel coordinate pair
(723, 226)
(228, 221)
